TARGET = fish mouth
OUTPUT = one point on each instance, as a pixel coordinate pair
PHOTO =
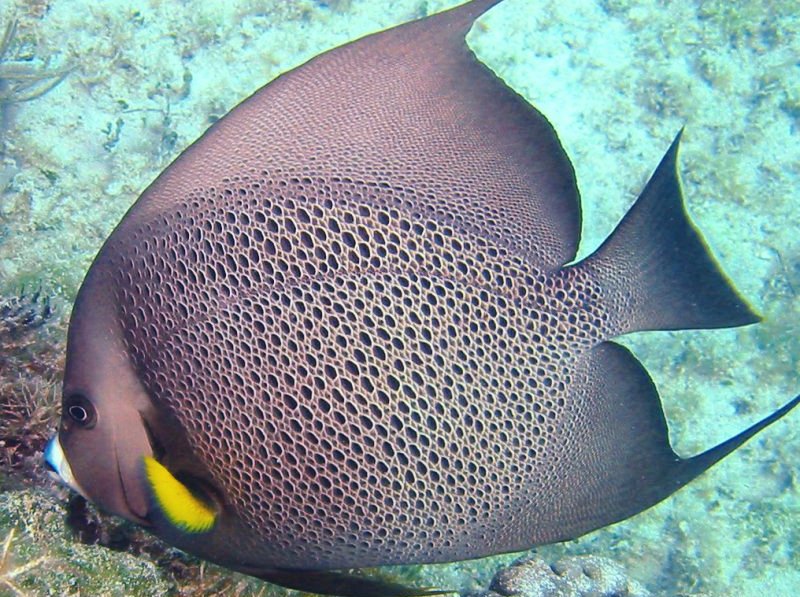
(58, 465)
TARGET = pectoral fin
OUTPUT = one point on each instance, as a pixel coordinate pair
(181, 507)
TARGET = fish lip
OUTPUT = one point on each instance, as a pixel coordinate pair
(58, 465)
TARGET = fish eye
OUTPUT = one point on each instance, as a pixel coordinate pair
(81, 410)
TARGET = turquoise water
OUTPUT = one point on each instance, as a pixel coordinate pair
(617, 79)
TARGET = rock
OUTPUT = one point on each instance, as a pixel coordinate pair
(576, 576)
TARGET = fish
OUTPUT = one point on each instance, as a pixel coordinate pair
(346, 328)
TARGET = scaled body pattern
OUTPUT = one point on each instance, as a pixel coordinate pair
(338, 331)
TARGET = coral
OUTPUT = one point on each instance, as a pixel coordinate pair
(576, 576)
(20, 315)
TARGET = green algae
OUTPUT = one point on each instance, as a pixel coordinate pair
(43, 558)
(46, 558)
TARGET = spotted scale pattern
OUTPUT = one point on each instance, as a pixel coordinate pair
(354, 370)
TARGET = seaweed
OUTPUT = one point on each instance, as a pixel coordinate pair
(31, 359)
(20, 81)
(41, 556)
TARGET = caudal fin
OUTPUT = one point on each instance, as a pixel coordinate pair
(655, 268)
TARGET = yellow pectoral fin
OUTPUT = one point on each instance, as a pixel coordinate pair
(180, 506)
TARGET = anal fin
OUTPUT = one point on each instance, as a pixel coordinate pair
(626, 463)
(696, 465)
(623, 462)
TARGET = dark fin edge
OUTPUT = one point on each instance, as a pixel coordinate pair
(690, 468)
(340, 584)
(467, 13)
(656, 269)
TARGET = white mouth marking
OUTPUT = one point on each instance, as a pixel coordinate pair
(60, 469)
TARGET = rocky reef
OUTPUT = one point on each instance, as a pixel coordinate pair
(576, 576)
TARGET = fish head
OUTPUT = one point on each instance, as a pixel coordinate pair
(103, 435)
(116, 445)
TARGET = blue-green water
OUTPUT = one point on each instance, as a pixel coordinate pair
(616, 78)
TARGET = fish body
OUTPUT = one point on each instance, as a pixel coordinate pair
(341, 330)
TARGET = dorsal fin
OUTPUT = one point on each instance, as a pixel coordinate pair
(459, 19)
(411, 112)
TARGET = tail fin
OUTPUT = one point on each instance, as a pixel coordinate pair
(656, 269)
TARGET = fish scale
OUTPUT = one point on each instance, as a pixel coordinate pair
(393, 358)
(343, 329)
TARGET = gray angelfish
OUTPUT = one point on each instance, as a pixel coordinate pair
(339, 331)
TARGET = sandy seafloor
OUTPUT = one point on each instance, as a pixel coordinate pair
(616, 78)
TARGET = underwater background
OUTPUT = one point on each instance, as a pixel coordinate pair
(97, 98)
